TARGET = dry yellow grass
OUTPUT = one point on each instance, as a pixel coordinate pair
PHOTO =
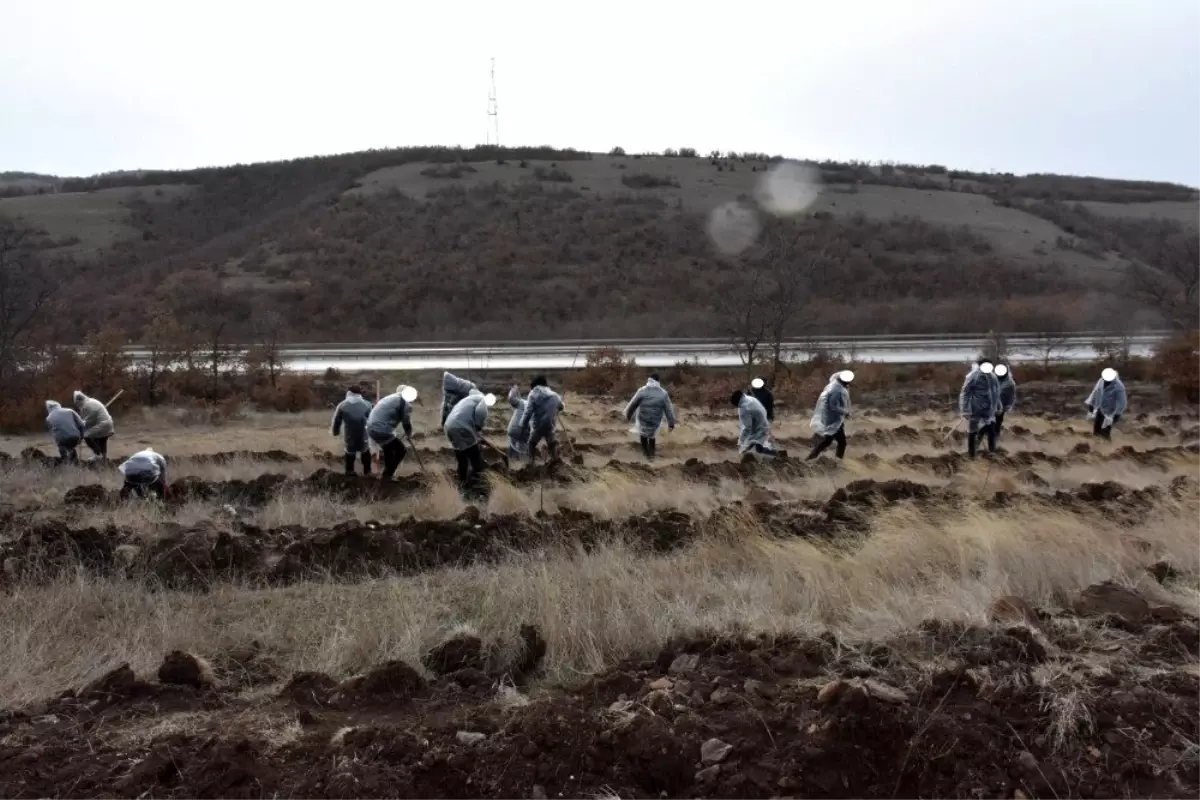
(594, 607)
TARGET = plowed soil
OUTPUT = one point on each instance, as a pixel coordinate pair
(1027, 708)
(197, 556)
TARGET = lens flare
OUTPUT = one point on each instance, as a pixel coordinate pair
(733, 227)
(789, 188)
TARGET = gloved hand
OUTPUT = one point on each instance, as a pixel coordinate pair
(1091, 414)
(1108, 422)
(670, 428)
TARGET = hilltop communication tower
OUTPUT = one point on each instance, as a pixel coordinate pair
(493, 133)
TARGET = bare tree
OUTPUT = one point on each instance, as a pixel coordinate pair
(26, 289)
(163, 342)
(1172, 286)
(740, 308)
(208, 309)
(760, 307)
(269, 329)
(1052, 337)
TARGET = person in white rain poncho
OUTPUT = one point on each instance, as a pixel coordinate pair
(463, 426)
(829, 416)
(454, 389)
(1106, 403)
(145, 473)
(350, 420)
(389, 413)
(1008, 395)
(977, 402)
(755, 428)
(97, 424)
(540, 416)
(67, 429)
(651, 403)
(518, 437)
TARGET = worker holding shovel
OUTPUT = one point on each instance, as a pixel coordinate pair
(540, 416)
(464, 429)
(389, 413)
(97, 423)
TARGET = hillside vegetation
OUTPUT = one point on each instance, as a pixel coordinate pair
(441, 243)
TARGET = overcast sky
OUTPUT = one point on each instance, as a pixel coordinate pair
(1071, 86)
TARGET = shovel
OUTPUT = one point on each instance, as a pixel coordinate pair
(114, 398)
(416, 453)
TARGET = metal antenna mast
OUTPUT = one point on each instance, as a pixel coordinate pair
(493, 134)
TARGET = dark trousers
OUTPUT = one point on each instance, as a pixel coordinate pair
(551, 437)
(972, 438)
(98, 445)
(838, 436)
(470, 464)
(393, 453)
(157, 488)
(999, 422)
(364, 456)
(648, 445)
(66, 451)
(1098, 428)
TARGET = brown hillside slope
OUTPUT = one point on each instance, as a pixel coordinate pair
(438, 243)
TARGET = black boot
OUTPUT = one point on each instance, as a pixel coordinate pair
(349, 461)
(366, 462)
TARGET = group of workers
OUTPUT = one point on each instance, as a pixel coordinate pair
(463, 416)
(89, 422)
(988, 394)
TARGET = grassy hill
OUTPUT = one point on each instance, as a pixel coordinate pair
(425, 243)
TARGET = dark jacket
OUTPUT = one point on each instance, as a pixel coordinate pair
(767, 399)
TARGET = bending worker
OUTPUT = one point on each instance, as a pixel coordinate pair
(542, 408)
(97, 424)
(350, 420)
(518, 437)
(758, 387)
(145, 473)
(391, 412)
(454, 389)
(1008, 395)
(755, 428)
(977, 403)
(831, 412)
(1106, 403)
(463, 426)
(651, 403)
(67, 429)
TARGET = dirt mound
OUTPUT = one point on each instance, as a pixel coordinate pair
(387, 684)
(89, 495)
(49, 547)
(277, 456)
(255, 492)
(946, 710)
(185, 669)
(852, 505)
(459, 652)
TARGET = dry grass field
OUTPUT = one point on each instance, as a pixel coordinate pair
(904, 622)
(87, 221)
